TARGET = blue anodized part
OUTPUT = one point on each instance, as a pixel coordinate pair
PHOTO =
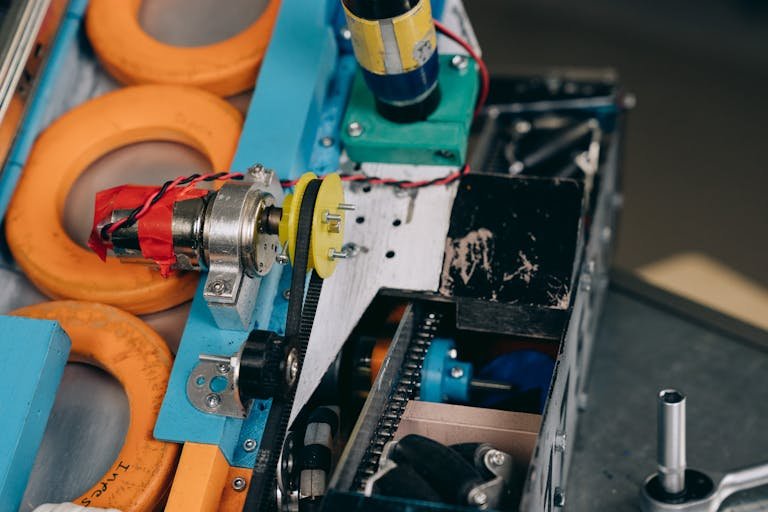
(34, 355)
(443, 377)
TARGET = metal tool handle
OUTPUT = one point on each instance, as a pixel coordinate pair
(743, 479)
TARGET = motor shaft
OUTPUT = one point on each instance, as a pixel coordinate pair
(671, 441)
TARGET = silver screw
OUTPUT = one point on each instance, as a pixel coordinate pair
(333, 254)
(346, 207)
(256, 170)
(457, 372)
(326, 142)
(345, 33)
(480, 498)
(287, 294)
(496, 457)
(292, 367)
(224, 368)
(452, 354)
(249, 445)
(282, 257)
(217, 287)
(239, 484)
(212, 400)
(331, 217)
(560, 441)
(460, 62)
(355, 129)
(522, 127)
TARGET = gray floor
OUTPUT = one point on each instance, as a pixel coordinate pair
(696, 170)
(640, 349)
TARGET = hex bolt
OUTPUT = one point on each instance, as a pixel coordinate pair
(460, 62)
(239, 484)
(326, 142)
(355, 129)
(456, 372)
(249, 445)
(212, 401)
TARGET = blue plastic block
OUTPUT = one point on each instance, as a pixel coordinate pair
(34, 355)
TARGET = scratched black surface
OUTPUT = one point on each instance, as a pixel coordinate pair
(513, 239)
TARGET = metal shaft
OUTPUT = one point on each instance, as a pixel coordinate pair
(492, 385)
(671, 441)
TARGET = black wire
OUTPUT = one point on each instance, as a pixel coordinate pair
(131, 218)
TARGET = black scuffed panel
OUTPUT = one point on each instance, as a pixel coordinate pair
(513, 239)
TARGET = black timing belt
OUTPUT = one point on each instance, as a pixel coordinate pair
(298, 326)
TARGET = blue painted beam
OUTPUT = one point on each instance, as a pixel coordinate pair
(34, 355)
(280, 131)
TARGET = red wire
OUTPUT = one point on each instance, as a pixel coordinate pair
(485, 78)
(148, 202)
(481, 99)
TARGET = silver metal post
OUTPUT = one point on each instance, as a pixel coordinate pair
(671, 440)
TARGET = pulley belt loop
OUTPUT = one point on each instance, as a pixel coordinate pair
(298, 325)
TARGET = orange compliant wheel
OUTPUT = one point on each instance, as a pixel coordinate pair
(134, 57)
(36, 237)
(138, 358)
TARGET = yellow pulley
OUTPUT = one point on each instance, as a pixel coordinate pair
(327, 223)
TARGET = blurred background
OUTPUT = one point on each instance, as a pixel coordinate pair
(696, 161)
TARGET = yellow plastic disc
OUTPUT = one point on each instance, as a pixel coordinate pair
(327, 234)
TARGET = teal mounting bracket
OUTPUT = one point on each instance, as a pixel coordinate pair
(440, 140)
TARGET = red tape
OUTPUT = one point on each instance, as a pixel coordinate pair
(155, 234)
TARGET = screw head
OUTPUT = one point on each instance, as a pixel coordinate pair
(345, 33)
(292, 367)
(326, 142)
(560, 441)
(456, 372)
(354, 129)
(223, 368)
(452, 354)
(239, 483)
(213, 400)
(249, 445)
(217, 287)
(256, 170)
(496, 457)
(287, 294)
(522, 127)
(480, 498)
(281, 259)
(460, 62)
